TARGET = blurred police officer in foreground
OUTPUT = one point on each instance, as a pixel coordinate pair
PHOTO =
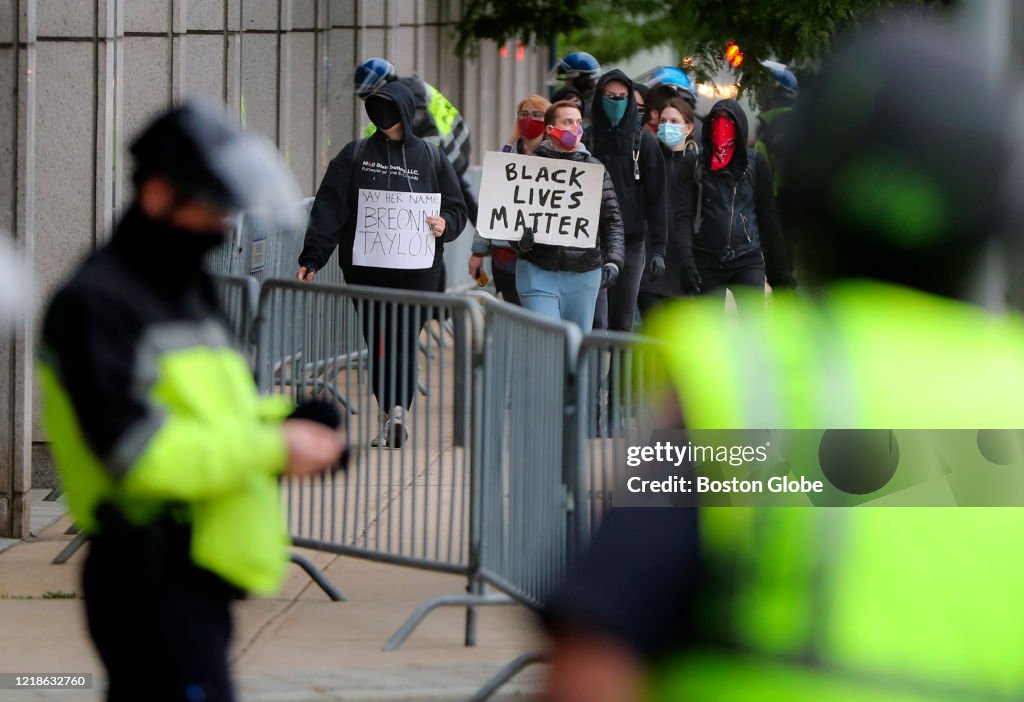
(896, 197)
(169, 458)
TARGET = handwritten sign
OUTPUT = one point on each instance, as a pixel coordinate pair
(559, 199)
(392, 229)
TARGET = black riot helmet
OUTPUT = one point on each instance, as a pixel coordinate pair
(206, 156)
(887, 177)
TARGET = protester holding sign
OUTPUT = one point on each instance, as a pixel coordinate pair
(580, 253)
(526, 137)
(390, 201)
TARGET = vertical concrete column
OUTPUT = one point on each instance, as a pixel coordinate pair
(17, 214)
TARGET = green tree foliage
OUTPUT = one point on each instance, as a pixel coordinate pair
(795, 32)
(532, 21)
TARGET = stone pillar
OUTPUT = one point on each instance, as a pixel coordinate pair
(17, 215)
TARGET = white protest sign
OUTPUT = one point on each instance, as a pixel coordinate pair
(559, 198)
(392, 229)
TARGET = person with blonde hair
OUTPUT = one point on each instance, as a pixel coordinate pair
(526, 136)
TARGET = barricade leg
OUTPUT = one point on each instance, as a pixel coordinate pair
(507, 673)
(70, 550)
(417, 617)
(311, 570)
(475, 587)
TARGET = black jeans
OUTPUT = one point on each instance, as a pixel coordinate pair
(616, 305)
(740, 275)
(161, 625)
(505, 284)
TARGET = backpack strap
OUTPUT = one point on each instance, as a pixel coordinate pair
(360, 143)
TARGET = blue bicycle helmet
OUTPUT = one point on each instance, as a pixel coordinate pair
(578, 64)
(371, 75)
(784, 78)
(668, 75)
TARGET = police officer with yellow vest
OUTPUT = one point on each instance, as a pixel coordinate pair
(169, 458)
(895, 200)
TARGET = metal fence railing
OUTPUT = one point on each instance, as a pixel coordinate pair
(528, 364)
(238, 296)
(616, 373)
(368, 349)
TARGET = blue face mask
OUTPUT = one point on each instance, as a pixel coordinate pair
(615, 108)
(671, 134)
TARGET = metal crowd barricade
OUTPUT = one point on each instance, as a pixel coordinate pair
(617, 373)
(238, 296)
(526, 409)
(409, 506)
(536, 520)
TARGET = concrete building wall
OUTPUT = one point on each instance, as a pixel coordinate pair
(79, 78)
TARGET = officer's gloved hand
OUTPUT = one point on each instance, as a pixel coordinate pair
(656, 269)
(327, 414)
(526, 243)
(691, 278)
(609, 274)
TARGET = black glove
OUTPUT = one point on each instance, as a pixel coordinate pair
(318, 411)
(783, 282)
(609, 274)
(526, 243)
(325, 413)
(657, 266)
(691, 278)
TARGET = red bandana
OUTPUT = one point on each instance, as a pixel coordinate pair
(723, 141)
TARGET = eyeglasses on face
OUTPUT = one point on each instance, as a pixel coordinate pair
(531, 114)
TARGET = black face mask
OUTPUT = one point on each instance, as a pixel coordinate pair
(382, 111)
(157, 244)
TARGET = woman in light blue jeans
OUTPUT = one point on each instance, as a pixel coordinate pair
(562, 282)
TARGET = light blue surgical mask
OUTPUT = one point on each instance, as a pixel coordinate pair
(615, 108)
(671, 135)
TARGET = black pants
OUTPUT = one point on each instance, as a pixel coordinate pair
(505, 284)
(616, 306)
(646, 302)
(391, 331)
(161, 625)
(743, 276)
(392, 335)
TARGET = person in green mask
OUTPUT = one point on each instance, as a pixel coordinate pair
(634, 161)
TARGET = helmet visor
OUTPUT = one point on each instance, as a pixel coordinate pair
(365, 81)
(259, 180)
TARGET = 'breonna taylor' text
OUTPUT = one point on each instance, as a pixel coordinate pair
(392, 231)
(557, 189)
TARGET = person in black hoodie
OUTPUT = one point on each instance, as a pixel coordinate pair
(563, 281)
(736, 233)
(393, 158)
(637, 169)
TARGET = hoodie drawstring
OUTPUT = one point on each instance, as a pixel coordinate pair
(387, 148)
(406, 168)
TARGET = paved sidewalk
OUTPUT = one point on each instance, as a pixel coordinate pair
(296, 648)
